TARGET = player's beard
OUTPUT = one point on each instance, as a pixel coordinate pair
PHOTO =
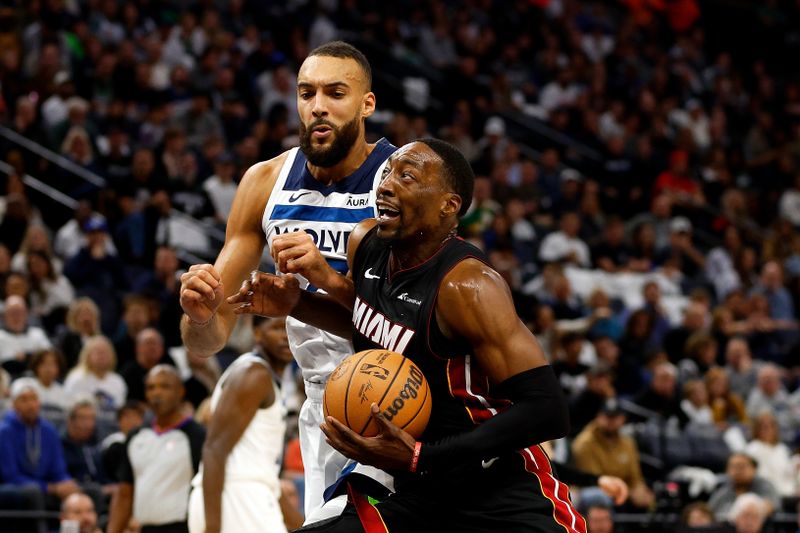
(327, 156)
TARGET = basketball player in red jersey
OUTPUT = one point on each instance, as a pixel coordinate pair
(478, 466)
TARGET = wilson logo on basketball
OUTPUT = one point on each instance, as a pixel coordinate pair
(375, 371)
(409, 391)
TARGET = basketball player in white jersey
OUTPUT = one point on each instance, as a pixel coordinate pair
(315, 194)
(237, 487)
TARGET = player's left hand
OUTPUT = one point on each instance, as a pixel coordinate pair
(266, 295)
(391, 449)
(296, 253)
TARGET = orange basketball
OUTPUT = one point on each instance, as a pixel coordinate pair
(378, 376)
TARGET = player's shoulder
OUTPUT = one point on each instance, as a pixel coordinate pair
(470, 280)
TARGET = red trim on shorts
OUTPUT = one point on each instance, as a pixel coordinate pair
(368, 515)
(564, 513)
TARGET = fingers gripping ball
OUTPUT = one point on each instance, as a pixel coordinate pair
(378, 376)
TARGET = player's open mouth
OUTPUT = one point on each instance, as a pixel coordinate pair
(320, 132)
(386, 213)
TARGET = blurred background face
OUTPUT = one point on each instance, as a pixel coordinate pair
(79, 507)
(149, 348)
(749, 520)
(99, 358)
(47, 371)
(740, 470)
(27, 406)
(598, 520)
(129, 420)
(271, 337)
(16, 315)
(81, 424)
(609, 424)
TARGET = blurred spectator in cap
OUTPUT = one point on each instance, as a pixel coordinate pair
(221, 187)
(31, 458)
(71, 237)
(599, 388)
(200, 121)
(18, 339)
(603, 450)
(98, 274)
(681, 258)
(54, 109)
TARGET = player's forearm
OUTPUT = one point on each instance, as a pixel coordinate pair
(538, 414)
(204, 339)
(121, 506)
(341, 289)
(213, 484)
(324, 312)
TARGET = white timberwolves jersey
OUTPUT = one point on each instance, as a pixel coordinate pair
(328, 213)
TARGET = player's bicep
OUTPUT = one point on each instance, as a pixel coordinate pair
(238, 404)
(475, 303)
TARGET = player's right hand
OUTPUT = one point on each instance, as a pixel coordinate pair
(201, 292)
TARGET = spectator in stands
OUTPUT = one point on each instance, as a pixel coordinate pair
(79, 508)
(677, 183)
(98, 274)
(661, 396)
(571, 373)
(221, 187)
(82, 322)
(748, 513)
(720, 268)
(95, 374)
(599, 519)
(135, 318)
(149, 353)
(695, 320)
(700, 355)
(565, 246)
(741, 478)
(18, 340)
(651, 292)
(71, 237)
(774, 458)
(31, 458)
(599, 388)
(37, 239)
(47, 368)
(727, 407)
(681, 260)
(789, 204)
(162, 288)
(51, 292)
(81, 450)
(696, 516)
(156, 475)
(740, 366)
(695, 402)
(781, 306)
(129, 417)
(635, 347)
(659, 219)
(771, 395)
(602, 450)
(612, 254)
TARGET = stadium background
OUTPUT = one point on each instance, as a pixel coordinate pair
(658, 140)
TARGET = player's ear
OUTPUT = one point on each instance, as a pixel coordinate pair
(451, 205)
(368, 105)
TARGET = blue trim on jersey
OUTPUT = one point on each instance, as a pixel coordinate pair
(339, 265)
(313, 213)
(359, 182)
(346, 471)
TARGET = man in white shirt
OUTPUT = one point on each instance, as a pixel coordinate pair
(18, 340)
(221, 187)
(564, 245)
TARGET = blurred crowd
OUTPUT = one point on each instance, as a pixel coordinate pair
(661, 273)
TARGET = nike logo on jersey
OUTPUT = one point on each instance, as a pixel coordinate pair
(296, 196)
(370, 276)
(489, 463)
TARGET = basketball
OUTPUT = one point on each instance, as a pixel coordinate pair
(378, 376)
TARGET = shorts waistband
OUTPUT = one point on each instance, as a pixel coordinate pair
(314, 391)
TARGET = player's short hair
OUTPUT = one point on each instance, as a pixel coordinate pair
(345, 50)
(456, 170)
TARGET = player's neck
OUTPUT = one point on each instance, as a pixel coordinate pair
(410, 253)
(354, 159)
